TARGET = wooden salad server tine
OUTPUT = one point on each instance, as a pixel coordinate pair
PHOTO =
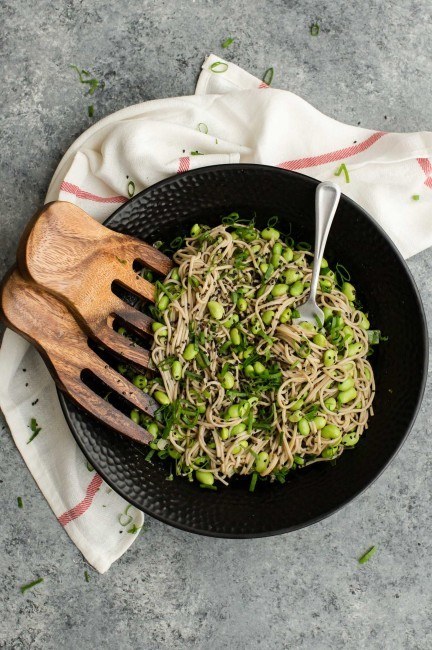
(74, 257)
(47, 323)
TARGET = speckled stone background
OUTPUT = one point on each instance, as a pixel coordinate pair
(371, 63)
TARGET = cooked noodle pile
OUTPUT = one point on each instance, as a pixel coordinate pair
(243, 389)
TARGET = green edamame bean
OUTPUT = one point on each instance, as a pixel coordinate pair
(216, 309)
(224, 433)
(320, 339)
(256, 248)
(264, 267)
(238, 428)
(348, 334)
(243, 443)
(176, 370)
(324, 263)
(288, 254)
(261, 291)
(364, 322)
(163, 303)
(157, 326)
(354, 349)
(347, 383)
(349, 291)
(329, 357)
(190, 352)
(328, 313)
(256, 328)
(249, 371)
(270, 233)
(297, 288)
(330, 432)
(298, 460)
(285, 315)
(153, 429)
(140, 381)
(175, 275)
(274, 260)
(205, 478)
(248, 352)
(346, 396)
(308, 326)
(277, 248)
(195, 230)
(330, 404)
(173, 453)
(228, 380)
(296, 416)
(135, 416)
(350, 439)
(261, 462)
(201, 408)
(303, 427)
(319, 422)
(242, 304)
(326, 285)
(259, 369)
(268, 316)
(329, 452)
(122, 331)
(235, 336)
(161, 397)
(367, 373)
(296, 406)
(291, 276)
(233, 412)
(279, 290)
(236, 450)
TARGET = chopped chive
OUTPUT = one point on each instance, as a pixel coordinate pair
(196, 153)
(314, 29)
(343, 169)
(131, 189)
(35, 429)
(416, 197)
(208, 487)
(86, 576)
(150, 454)
(227, 43)
(203, 128)
(268, 76)
(20, 502)
(124, 519)
(219, 66)
(304, 246)
(134, 529)
(90, 110)
(272, 222)
(253, 482)
(30, 585)
(367, 556)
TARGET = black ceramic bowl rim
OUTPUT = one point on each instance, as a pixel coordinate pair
(415, 407)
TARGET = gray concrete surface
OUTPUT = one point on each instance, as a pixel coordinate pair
(174, 590)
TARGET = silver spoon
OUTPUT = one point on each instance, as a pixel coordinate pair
(326, 202)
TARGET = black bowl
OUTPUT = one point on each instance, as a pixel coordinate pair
(390, 296)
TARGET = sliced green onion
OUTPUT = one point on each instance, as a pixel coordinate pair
(31, 584)
(416, 197)
(20, 502)
(219, 66)
(304, 246)
(203, 128)
(272, 222)
(89, 467)
(35, 429)
(86, 576)
(131, 189)
(90, 110)
(124, 519)
(150, 455)
(343, 169)
(314, 29)
(253, 482)
(134, 529)
(367, 556)
(196, 153)
(268, 76)
(227, 42)
(208, 487)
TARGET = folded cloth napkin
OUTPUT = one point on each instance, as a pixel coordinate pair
(233, 117)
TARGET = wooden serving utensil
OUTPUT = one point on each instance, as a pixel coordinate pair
(47, 323)
(75, 258)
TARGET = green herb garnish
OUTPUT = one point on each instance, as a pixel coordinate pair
(35, 430)
(196, 153)
(203, 128)
(30, 585)
(253, 482)
(227, 43)
(86, 576)
(20, 502)
(375, 336)
(90, 110)
(134, 529)
(86, 78)
(367, 556)
(268, 76)
(343, 168)
(130, 189)
(416, 197)
(124, 519)
(314, 29)
(219, 66)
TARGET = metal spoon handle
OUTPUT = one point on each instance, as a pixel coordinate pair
(326, 202)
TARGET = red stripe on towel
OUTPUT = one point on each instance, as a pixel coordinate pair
(82, 194)
(426, 166)
(83, 505)
(184, 164)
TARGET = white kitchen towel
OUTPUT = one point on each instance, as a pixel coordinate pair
(233, 117)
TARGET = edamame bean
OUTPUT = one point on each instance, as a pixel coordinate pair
(236, 450)
(364, 322)
(297, 288)
(328, 313)
(256, 248)
(308, 326)
(153, 429)
(303, 427)
(228, 380)
(261, 462)
(324, 263)
(140, 381)
(249, 371)
(330, 404)
(195, 230)
(270, 233)
(248, 352)
(350, 439)
(296, 406)
(279, 290)
(296, 416)
(190, 352)
(135, 416)
(329, 357)
(354, 348)
(288, 254)
(347, 395)
(285, 315)
(264, 267)
(320, 339)
(233, 412)
(175, 275)
(326, 285)
(319, 422)
(329, 452)
(261, 291)
(238, 428)
(348, 334)
(157, 326)
(349, 291)
(268, 316)
(224, 433)
(163, 303)
(216, 309)
(235, 336)
(176, 370)
(347, 383)
(330, 432)
(276, 254)
(205, 478)
(259, 369)
(201, 408)
(256, 328)
(291, 276)
(243, 443)
(242, 304)
(161, 397)
(298, 460)
(367, 373)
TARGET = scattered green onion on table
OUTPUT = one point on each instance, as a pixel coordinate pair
(242, 389)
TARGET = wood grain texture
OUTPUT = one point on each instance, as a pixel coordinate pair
(75, 258)
(47, 323)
